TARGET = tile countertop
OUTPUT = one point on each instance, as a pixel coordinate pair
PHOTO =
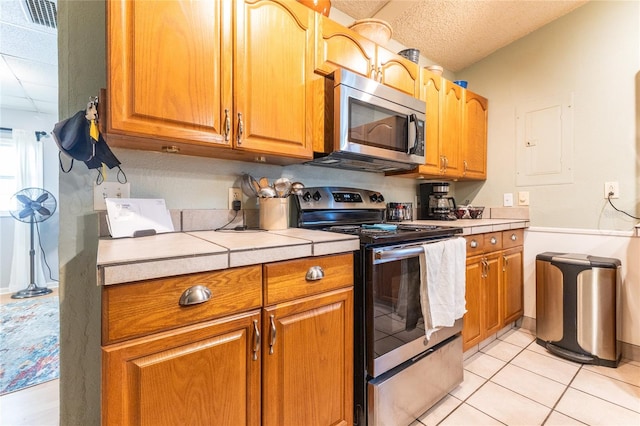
(133, 259)
(477, 226)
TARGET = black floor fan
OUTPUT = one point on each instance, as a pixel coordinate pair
(32, 205)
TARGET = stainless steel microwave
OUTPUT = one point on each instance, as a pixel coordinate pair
(371, 127)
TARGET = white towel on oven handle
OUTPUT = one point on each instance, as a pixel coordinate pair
(442, 283)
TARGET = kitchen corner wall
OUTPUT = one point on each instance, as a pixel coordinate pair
(184, 182)
(594, 53)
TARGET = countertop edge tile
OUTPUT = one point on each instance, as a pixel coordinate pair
(137, 271)
(266, 255)
(332, 247)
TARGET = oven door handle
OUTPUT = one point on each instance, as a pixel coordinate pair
(381, 256)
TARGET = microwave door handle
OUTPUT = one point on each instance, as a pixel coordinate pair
(412, 132)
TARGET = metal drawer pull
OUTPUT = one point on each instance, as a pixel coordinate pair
(473, 244)
(314, 273)
(256, 340)
(240, 129)
(493, 240)
(272, 342)
(227, 124)
(194, 295)
(513, 237)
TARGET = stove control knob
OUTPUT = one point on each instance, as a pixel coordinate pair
(317, 196)
(306, 196)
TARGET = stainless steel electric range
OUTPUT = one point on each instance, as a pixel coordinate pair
(398, 373)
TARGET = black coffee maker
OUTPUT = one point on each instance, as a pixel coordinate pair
(434, 202)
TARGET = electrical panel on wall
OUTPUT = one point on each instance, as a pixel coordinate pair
(544, 141)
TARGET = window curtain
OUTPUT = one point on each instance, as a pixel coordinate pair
(30, 174)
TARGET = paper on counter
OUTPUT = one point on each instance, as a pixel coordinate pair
(126, 216)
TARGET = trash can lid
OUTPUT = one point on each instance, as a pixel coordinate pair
(580, 259)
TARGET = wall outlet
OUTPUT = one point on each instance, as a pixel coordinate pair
(611, 187)
(235, 194)
(523, 198)
(109, 190)
(508, 199)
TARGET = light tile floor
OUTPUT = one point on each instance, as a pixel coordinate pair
(515, 381)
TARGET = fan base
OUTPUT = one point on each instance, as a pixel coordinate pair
(31, 291)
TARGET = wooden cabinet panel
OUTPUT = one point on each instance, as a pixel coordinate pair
(431, 90)
(339, 47)
(512, 238)
(475, 244)
(474, 136)
(171, 83)
(203, 374)
(492, 320)
(471, 327)
(308, 361)
(513, 284)
(398, 72)
(492, 241)
(274, 59)
(144, 307)
(451, 129)
(287, 280)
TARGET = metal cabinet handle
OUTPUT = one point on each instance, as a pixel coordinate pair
(505, 263)
(372, 74)
(195, 295)
(379, 75)
(493, 240)
(485, 268)
(240, 129)
(315, 273)
(465, 167)
(256, 340)
(473, 244)
(513, 237)
(227, 124)
(272, 341)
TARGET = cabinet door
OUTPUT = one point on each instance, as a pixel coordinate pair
(339, 47)
(474, 136)
(431, 86)
(491, 313)
(203, 374)
(308, 361)
(471, 327)
(274, 54)
(512, 282)
(169, 70)
(397, 72)
(451, 129)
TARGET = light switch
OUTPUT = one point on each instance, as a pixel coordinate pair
(523, 198)
(508, 199)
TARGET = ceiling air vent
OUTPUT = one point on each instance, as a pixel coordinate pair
(43, 12)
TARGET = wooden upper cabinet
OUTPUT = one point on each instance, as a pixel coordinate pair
(474, 136)
(169, 70)
(274, 54)
(400, 73)
(339, 47)
(451, 132)
(431, 90)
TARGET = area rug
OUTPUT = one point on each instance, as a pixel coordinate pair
(29, 343)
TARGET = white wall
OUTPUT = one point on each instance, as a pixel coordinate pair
(593, 52)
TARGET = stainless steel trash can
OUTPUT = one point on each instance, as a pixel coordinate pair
(577, 307)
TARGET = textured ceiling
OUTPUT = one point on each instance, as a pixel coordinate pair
(456, 34)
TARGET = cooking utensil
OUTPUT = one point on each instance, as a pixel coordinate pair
(267, 192)
(264, 182)
(296, 188)
(246, 183)
(282, 187)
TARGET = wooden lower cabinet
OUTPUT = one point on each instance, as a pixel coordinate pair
(308, 361)
(494, 284)
(272, 346)
(203, 374)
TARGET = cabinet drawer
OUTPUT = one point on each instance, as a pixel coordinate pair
(145, 307)
(492, 241)
(288, 280)
(512, 238)
(475, 244)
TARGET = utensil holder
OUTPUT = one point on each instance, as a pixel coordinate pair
(274, 213)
